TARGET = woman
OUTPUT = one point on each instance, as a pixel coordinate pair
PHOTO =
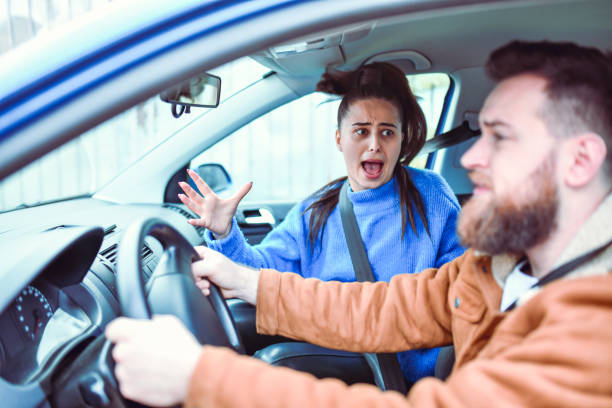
(381, 128)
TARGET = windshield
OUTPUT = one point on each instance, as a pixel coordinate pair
(87, 163)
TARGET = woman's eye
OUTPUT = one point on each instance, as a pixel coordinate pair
(388, 132)
(361, 132)
(497, 137)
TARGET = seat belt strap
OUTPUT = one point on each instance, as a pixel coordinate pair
(564, 269)
(359, 257)
(385, 363)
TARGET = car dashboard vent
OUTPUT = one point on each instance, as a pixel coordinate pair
(186, 214)
(146, 251)
(110, 253)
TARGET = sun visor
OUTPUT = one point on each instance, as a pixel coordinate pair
(307, 56)
(407, 60)
(311, 60)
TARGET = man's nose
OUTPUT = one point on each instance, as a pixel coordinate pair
(476, 156)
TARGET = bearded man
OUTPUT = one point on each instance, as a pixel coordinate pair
(528, 307)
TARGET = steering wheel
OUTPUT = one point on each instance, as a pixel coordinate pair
(171, 288)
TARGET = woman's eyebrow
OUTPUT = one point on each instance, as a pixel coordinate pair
(370, 124)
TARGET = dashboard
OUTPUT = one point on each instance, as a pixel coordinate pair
(58, 280)
(37, 323)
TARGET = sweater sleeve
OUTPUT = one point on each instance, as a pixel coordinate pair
(449, 247)
(409, 312)
(279, 250)
(447, 212)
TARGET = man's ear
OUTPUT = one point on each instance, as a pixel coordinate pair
(586, 156)
(338, 140)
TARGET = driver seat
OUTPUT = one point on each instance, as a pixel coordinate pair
(319, 361)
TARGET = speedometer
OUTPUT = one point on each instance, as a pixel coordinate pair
(32, 311)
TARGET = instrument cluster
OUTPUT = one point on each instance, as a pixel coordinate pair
(36, 324)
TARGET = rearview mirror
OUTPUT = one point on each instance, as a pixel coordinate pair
(202, 91)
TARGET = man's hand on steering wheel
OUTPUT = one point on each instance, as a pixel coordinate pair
(156, 349)
(234, 280)
(155, 359)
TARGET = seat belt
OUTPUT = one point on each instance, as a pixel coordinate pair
(391, 376)
(453, 137)
(564, 269)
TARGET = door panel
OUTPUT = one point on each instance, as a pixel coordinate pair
(257, 219)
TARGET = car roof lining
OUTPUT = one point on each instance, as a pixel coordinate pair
(427, 32)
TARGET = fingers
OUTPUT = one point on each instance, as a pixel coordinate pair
(200, 270)
(190, 204)
(204, 286)
(202, 250)
(201, 184)
(191, 193)
(199, 222)
(242, 192)
(154, 359)
(121, 328)
(124, 328)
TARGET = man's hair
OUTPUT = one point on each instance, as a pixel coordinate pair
(579, 85)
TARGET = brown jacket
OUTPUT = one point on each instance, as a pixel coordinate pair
(554, 349)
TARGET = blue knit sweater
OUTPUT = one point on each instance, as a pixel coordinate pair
(287, 248)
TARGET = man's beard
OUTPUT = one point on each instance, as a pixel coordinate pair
(505, 225)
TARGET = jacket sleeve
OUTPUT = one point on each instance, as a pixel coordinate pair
(279, 250)
(224, 379)
(409, 312)
(557, 362)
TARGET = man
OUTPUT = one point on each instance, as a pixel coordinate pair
(523, 336)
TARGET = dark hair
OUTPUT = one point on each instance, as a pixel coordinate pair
(385, 81)
(578, 89)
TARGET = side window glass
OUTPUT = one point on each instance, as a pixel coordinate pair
(290, 152)
(430, 90)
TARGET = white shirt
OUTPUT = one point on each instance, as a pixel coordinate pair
(517, 283)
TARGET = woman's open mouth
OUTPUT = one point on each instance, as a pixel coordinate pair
(372, 168)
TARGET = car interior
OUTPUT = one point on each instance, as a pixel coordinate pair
(72, 264)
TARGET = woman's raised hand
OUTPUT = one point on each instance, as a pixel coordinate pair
(234, 280)
(215, 213)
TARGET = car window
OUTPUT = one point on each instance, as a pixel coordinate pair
(87, 163)
(290, 152)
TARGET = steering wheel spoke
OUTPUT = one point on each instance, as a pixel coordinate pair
(171, 288)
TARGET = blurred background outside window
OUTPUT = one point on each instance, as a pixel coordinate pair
(288, 153)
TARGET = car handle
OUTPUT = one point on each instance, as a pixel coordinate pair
(258, 216)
